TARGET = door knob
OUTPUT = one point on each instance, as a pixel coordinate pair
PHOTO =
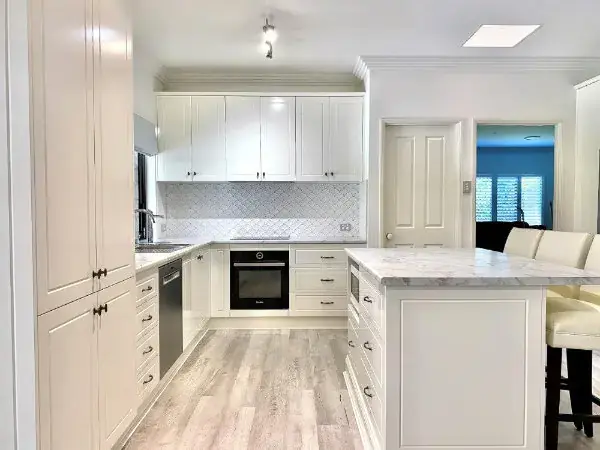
(389, 236)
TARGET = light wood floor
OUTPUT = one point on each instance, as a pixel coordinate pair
(264, 390)
(256, 390)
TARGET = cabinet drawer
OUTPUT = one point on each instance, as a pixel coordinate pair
(321, 257)
(147, 316)
(147, 288)
(373, 352)
(371, 305)
(319, 303)
(319, 281)
(354, 351)
(147, 349)
(370, 393)
(148, 380)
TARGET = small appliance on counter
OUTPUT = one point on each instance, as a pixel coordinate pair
(260, 280)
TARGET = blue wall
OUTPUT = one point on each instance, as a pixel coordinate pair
(521, 161)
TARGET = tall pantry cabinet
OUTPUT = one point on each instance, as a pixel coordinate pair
(81, 111)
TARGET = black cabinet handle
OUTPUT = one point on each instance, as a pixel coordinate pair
(367, 299)
(97, 311)
(96, 274)
(331, 173)
(150, 378)
(327, 303)
(147, 289)
(365, 389)
(147, 319)
(367, 345)
(326, 174)
(264, 175)
(103, 272)
(352, 344)
(150, 348)
(195, 173)
(327, 257)
(257, 175)
(200, 257)
(327, 280)
(105, 306)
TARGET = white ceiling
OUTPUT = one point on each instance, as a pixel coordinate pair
(329, 35)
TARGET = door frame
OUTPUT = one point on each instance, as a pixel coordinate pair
(458, 126)
(558, 165)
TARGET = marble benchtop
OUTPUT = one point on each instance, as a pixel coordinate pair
(433, 267)
(146, 261)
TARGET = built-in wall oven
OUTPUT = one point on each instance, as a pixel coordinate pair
(260, 280)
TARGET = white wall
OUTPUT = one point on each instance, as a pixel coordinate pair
(145, 69)
(470, 97)
(587, 148)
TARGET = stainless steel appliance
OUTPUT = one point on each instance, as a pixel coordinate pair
(260, 280)
(170, 310)
(354, 282)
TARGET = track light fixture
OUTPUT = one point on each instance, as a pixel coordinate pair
(269, 37)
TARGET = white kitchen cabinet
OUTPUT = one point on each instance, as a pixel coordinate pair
(243, 138)
(116, 361)
(312, 138)
(186, 301)
(277, 138)
(208, 139)
(81, 137)
(174, 138)
(345, 138)
(201, 289)
(113, 78)
(86, 370)
(219, 282)
(67, 377)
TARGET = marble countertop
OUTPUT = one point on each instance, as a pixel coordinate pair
(145, 261)
(463, 268)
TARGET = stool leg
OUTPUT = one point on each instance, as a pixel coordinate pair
(553, 363)
(573, 367)
(585, 381)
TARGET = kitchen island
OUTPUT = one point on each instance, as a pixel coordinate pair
(447, 347)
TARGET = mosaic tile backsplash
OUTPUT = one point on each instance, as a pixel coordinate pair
(224, 210)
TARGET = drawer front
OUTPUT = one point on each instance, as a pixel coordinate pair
(321, 257)
(321, 303)
(373, 352)
(147, 349)
(353, 317)
(147, 316)
(370, 393)
(371, 305)
(148, 380)
(320, 281)
(354, 350)
(146, 288)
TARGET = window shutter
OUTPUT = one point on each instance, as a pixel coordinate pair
(532, 199)
(507, 197)
(483, 199)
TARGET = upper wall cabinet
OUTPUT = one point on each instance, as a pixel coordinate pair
(243, 138)
(81, 138)
(329, 138)
(208, 139)
(174, 139)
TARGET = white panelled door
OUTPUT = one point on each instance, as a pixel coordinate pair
(420, 186)
(243, 138)
(208, 138)
(278, 138)
(174, 138)
(345, 138)
(312, 138)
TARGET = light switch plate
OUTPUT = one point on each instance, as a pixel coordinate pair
(467, 187)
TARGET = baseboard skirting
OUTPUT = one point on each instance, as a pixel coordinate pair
(272, 323)
(145, 407)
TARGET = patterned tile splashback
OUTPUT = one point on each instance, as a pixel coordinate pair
(223, 210)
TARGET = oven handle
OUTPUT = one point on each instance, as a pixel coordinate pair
(267, 264)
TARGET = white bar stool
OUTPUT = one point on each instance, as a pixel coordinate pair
(523, 242)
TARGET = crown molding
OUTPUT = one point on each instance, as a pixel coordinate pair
(161, 75)
(191, 76)
(367, 63)
(588, 82)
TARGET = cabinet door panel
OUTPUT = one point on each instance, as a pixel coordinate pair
(312, 138)
(277, 141)
(243, 138)
(113, 89)
(200, 305)
(62, 140)
(67, 377)
(116, 361)
(219, 283)
(174, 138)
(208, 139)
(188, 320)
(346, 138)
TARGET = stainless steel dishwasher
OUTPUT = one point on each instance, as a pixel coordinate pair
(170, 313)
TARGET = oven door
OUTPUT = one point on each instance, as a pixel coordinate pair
(259, 285)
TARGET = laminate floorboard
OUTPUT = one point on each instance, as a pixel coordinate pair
(269, 390)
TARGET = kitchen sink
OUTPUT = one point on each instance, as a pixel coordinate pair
(159, 247)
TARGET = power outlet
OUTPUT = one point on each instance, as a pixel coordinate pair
(345, 227)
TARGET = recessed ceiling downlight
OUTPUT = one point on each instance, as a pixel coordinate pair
(500, 35)
(532, 138)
